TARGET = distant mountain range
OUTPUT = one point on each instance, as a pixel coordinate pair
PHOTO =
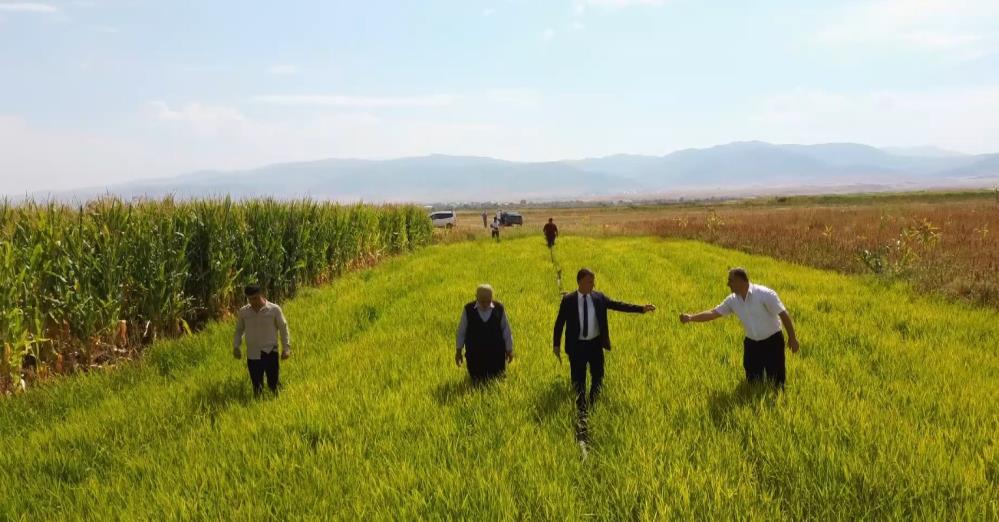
(741, 167)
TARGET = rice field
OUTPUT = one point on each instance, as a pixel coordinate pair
(890, 411)
(945, 243)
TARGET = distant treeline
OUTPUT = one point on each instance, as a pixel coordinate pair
(82, 283)
(849, 198)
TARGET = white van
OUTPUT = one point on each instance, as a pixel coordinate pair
(444, 218)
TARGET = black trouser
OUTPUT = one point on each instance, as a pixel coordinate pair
(592, 354)
(485, 363)
(766, 355)
(266, 364)
(495, 233)
(551, 241)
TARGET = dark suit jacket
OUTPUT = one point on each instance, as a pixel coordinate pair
(568, 318)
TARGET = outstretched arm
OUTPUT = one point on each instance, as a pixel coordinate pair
(628, 308)
(702, 317)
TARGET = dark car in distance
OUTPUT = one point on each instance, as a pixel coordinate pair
(509, 218)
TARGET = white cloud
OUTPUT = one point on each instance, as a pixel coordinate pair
(957, 118)
(204, 120)
(282, 69)
(967, 27)
(489, 11)
(337, 100)
(28, 7)
(548, 34)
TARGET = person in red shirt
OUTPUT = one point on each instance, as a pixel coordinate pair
(551, 232)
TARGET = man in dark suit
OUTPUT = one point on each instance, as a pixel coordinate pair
(583, 316)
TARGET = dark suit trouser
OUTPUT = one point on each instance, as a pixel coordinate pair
(268, 365)
(766, 355)
(485, 363)
(592, 354)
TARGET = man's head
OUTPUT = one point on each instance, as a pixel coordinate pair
(254, 296)
(551, 220)
(738, 280)
(585, 279)
(484, 295)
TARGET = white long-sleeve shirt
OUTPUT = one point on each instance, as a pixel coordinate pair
(484, 315)
(759, 312)
(261, 329)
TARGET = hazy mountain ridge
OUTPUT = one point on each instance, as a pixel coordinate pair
(436, 178)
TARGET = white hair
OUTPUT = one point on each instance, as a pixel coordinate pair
(484, 286)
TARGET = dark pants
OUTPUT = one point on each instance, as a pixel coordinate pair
(485, 363)
(495, 233)
(586, 353)
(267, 364)
(551, 241)
(766, 355)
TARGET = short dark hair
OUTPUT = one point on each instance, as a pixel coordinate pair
(583, 272)
(251, 290)
(739, 272)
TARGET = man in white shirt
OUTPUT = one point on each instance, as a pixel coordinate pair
(761, 312)
(261, 322)
(484, 330)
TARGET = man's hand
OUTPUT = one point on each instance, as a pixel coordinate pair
(793, 344)
(509, 356)
(457, 358)
(684, 318)
(648, 308)
(285, 354)
(236, 353)
(558, 354)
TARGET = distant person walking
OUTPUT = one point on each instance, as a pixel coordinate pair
(484, 333)
(485, 221)
(583, 316)
(261, 322)
(551, 232)
(761, 312)
(495, 227)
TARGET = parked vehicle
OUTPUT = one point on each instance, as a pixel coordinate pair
(510, 218)
(444, 218)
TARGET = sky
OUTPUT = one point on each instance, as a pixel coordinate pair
(94, 92)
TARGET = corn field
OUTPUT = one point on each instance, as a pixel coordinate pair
(85, 285)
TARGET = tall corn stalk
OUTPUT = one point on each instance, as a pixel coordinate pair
(78, 282)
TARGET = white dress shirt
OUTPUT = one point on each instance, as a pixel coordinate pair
(484, 315)
(261, 329)
(592, 326)
(758, 312)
